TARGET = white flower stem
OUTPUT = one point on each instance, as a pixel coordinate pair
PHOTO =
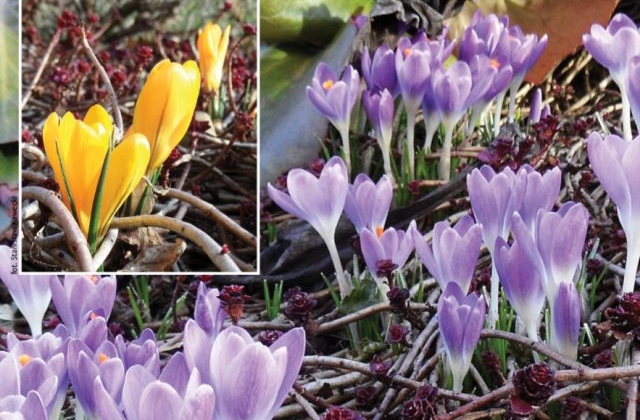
(492, 316)
(411, 154)
(626, 114)
(445, 157)
(498, 112)
(631, 266)
(344, 284)
(386, 160)
(346, 147)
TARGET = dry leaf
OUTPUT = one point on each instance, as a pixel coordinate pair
(157, 258)
(564, 21)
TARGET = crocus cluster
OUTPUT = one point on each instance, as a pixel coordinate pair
(617, 47)
(94, 192)
(222, 374)
(494, 57)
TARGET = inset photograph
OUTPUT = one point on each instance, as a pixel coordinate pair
(139, 151)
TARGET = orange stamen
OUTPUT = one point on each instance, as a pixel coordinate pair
(102, 358)
(379, 230)
(328, 84)
(24, 359)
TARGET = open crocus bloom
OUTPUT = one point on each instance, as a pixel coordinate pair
(212, 46)
(18, 407)
(76, 151)
(251, 380)
(615, 163)
(165, 107)
(31, 293)
(460, 318)
(319, 201)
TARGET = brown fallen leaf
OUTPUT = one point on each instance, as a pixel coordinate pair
(564, 21)
(157, 258)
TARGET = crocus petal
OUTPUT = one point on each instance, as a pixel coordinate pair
(565, 327)
(165, 107)
(212, 46)
(159, 401)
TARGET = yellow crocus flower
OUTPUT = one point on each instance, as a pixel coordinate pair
(212, 48)
(165, 107)
(76, 150)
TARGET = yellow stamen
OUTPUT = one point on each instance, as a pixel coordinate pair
(327, 84)
(379, 230)
(102, 358)
(407, 52)
(494, 63)
(24, 359)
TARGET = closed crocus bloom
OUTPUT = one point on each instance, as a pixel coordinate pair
(212, 48)
(368, 203)
(379, 109)
(460, 318)
(17, 407)
(615, 163)
(77, 298)
(31, 293)
(385, 251)
(379, 72)
(165, 107)
(251, 380)
(541, 192)
(565, 321)
(463, 241)
(633, 87)
(521, 283)
(76, 151)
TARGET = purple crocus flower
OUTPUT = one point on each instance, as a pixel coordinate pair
(50, 348)
(177, 394)
(18, 407)
(24, 374)
(320, 202)
(251, 380)
(485, 35)
(209, 313)
(565, 320)
(413, 64)
(535, 110)
(386, 252)
(141, 351)
(500, 75)
(521, 283)
(379, 72)
(460, 318)
(613, 47)
(86, 368)
(77, 298)
(524, 51)
(31, 293)
(541, 192)
(367, 203)
(463, 241)
(494, 198)
(453, 91)
(335, 99)
(379, 109)
(615, 163)
(555, 248)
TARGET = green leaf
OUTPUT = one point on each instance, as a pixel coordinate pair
(9, 161)
(306, 21)
(9, 59)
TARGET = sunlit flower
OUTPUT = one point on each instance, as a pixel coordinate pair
(385, 251)
(178, 393)
(78, 298)
(379, 72)
(335, 99)
(379, 109)
(251, 380)
(615, 163)
(31, 293)
(463, 241)
(368, 203)
(76, 151)
(319, 201)
(212, 48)
(460, 318)
(165, 107)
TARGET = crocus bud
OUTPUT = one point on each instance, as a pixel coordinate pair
(212, 46)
